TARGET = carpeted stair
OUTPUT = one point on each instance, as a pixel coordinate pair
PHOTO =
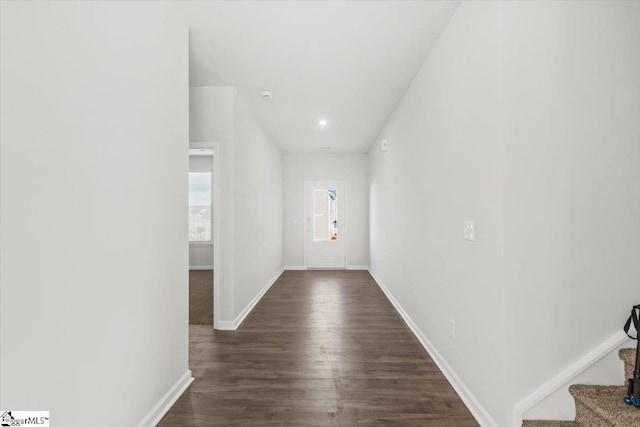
(600, 406)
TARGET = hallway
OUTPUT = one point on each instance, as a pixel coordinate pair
(320, 348)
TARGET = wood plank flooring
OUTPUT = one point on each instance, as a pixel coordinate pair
(320, 348)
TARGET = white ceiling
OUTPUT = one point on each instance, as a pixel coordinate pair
(349, 62)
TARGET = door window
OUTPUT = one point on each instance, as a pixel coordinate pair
(325, 220)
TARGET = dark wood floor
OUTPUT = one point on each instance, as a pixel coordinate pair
(321, 348)
(201, 297)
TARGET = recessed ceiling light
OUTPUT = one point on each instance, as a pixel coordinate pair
(322, 123)
(266, 95)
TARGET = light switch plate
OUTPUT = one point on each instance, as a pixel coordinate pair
(470, 231)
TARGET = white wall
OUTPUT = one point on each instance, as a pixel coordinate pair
(94, 108)
(257, 200)
(250, 241)
(525, 118)
(442, 167)
(571, 180)
(210, 115)
(352, 168)
(201, 253)
(211, 121)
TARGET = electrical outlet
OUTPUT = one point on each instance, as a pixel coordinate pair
(452, 329)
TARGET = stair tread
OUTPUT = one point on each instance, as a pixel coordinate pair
(548, 423)
(606, 402)
(628, 355)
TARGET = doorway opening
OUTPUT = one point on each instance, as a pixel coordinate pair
(201, 233)
(325, 236)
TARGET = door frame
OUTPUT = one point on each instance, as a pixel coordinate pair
(344, 230)
(217, 229)
(216, 224)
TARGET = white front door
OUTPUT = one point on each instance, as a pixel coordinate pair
(325, 224)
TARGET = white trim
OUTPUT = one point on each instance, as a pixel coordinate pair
(232, 325)
(201, 243)
(477, 410)
(217, 226)
(217, 230)
(165, 403)
(227, 325)
(348, 267)
(357, 267)
(201, 151)
(567, 375)
(201, 267)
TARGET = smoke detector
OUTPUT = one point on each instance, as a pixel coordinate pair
(266, 95)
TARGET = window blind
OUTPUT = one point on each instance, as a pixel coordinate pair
(199, 207)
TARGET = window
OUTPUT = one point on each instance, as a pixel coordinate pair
(200, 207)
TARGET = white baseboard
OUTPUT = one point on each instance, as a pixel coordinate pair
(227, 325)
(348, 267)
(357, 267)
(201, 267)
(232, 325)
(165, 403)
(567, 375)
(477, 410)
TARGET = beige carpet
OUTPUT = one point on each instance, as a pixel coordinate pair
(201, 297)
